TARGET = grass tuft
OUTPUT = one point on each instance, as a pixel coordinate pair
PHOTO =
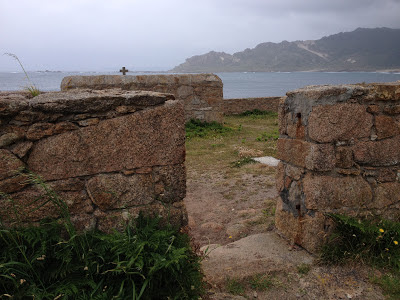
(243, 161)
(31, 89)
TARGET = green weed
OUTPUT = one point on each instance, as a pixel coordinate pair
(31, 89)
(197, 128)
(243, 161)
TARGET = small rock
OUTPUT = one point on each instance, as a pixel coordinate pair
(8, 139)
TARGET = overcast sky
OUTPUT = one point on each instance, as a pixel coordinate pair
(103, 35)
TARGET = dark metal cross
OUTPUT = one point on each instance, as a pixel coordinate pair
(124, 71)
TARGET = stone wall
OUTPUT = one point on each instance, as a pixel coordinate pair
(201, 93)
(238, 106)
(108, 154)
(340, 152)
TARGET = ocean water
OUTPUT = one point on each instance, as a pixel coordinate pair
(236, 85)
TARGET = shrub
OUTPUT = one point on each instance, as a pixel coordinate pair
(53, 261)
(143, 262)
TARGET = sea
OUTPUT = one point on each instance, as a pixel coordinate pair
(236, 84)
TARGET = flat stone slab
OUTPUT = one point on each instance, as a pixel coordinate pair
(267, 160)
(259, 253)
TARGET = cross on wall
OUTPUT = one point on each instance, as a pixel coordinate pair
(124, 71)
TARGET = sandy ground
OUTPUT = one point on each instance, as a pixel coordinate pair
(231, 216)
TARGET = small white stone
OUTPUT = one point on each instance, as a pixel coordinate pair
(268, 160)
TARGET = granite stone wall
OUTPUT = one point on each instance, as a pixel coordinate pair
(108, 154)
(201, 93)
(241, 105)
(340, 152)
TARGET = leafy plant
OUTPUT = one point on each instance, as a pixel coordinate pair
(53, 261)
(32, 89)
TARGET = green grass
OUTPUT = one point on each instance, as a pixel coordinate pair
(390, 285)
(303, 269)
(197, 128)
(217, 146)
(235, 287)
(375, 242)
(257, 282)
(261, 282)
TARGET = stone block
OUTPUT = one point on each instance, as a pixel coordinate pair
(378, 153)
(112, 191)
(344, 157)
(21, 149)
(386, 126)
(339, 122)
(174, 214)
(9, 164)
(8, 139)
(327, 193)
(294, 172)
(381, 174)
(170, 183)
(280, 177)
(316, 228)
(303, 154)
(386, 194)
(13, 184)
(94, 101)
(40, 130)
(392, 110)
(32, 205)
(114, 144)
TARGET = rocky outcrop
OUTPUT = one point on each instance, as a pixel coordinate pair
(340, 152)
(108, 154)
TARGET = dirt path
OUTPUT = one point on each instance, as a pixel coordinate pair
(231, 215)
